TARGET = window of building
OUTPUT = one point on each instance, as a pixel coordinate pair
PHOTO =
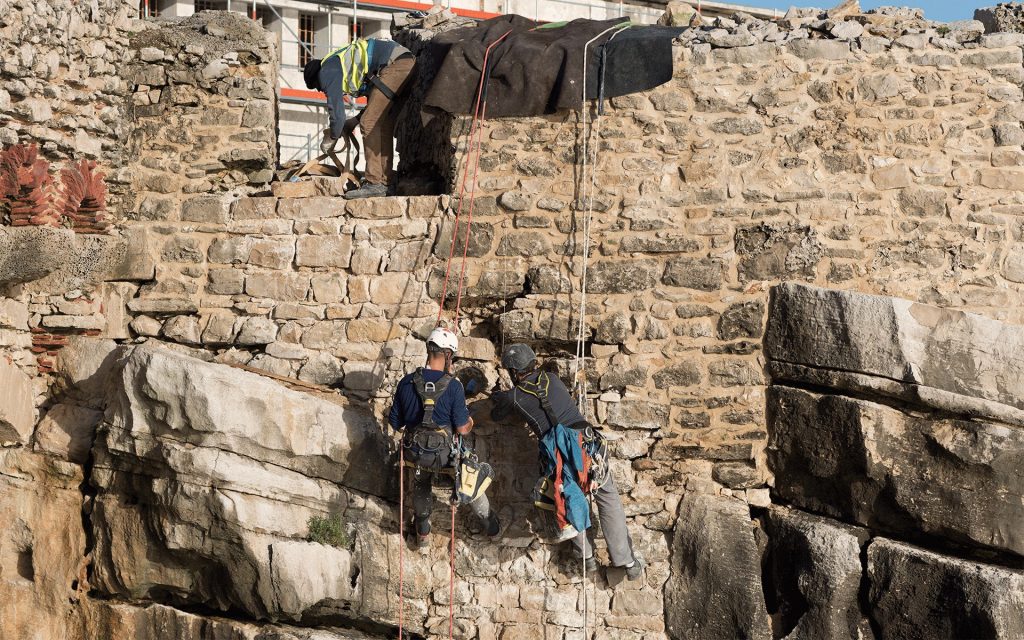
(210, 5)
(307, 37)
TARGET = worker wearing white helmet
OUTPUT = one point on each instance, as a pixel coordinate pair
(429, 407)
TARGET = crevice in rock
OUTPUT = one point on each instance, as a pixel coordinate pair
(933, 543)
(874, 397)
(864, 594)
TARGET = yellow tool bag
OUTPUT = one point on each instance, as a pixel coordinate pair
(472, 478)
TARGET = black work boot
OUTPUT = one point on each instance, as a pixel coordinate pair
(493, 526)
(368, 190)
(635, 570)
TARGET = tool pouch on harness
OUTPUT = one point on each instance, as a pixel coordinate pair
(544, 501)
(472, 478)
(430, 446)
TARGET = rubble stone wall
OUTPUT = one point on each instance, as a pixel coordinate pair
(61, 84)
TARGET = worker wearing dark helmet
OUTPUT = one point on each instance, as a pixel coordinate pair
(379, 70)
(544, 402)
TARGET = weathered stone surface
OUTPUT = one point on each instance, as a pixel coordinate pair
(623, 277)
(17, 411)
(682, 374)
(952, 351)
(814, 569)
(638, 414)
(920, 594)
(324, 251)
(769, 252)
(741, 320)
(874, 465)
(524, 243)
(248, 448)
(481, 237)
(714, 589)
(66, 431)
(257, 331)
(704, 274)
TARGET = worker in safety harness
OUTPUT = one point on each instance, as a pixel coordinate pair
(379, 70)
(430, 410)
(573, 459)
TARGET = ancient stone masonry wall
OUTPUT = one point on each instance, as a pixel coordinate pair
(870, 164)
(60, 81)
(204, 105)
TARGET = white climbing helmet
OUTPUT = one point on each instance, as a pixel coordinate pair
(444, 339)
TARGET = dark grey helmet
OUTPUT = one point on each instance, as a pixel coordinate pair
(518, 357)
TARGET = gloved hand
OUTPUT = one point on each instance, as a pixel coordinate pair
(351, 124)
(327, 144)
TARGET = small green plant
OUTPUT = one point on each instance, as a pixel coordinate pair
(943, 31)
(328, 530)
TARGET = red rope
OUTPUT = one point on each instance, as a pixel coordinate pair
(469, 221)
(451, 582)
(462, 189)
(401, 535)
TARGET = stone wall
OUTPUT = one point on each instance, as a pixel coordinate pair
(866, 163)
(61, 80)
(204, 110)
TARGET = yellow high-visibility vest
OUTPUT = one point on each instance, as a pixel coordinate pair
(355, 62)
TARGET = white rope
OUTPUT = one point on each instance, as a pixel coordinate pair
(588, 209)
(581, 336)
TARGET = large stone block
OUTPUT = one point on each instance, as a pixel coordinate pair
(224, 469)
(324, 251)
(814, 574)
(919, 594)
(481, 237)
(951, 352)
(877, 466)
(623, 276)
(714, 589)
(773, 251)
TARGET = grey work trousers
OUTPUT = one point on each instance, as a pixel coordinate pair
(423, 499)
(613, 524)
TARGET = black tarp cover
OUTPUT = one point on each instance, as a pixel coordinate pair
(536, 71)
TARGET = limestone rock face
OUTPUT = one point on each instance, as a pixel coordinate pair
(928, 347)
(714, 590)
(920, 594)
(42, 546)
(862, 461)
(816, 574)
(159, 622)
(206, 478)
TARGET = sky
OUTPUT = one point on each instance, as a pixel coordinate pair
(946, 10)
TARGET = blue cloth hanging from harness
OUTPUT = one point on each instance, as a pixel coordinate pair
(562, 459)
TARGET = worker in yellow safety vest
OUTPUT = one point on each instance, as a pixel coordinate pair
(379, 70)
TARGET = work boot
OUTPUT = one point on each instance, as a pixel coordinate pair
(368, 190)
(493, 526)
(635, 570)
(590, 564)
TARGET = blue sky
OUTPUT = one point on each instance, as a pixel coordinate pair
(935, 9)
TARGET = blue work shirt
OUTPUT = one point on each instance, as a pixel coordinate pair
(450, 409)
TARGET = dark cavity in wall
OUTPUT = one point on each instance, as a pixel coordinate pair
(26, 568)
